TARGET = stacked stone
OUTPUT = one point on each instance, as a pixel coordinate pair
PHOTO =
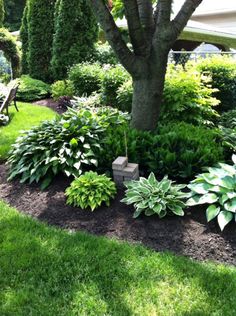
(124, 171)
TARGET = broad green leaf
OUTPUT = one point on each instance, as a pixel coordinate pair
(208, 198)
(45, 183)
(224, 218)
(157, 208)
(137, 213)
(177, 210)
(211, 212)
(149, 212)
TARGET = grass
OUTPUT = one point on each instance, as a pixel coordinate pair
(28, 116)
(47, 271)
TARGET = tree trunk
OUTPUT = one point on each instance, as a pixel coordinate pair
(147, 96)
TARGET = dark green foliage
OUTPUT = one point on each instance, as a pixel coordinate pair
(151, 196)
(223, 72)
(113, 78)
(228, 119)
(62, 88)
(124, 96)
(32, 89)
(9, 46)
(178, 149)
(24, 35)
(90, 190)
(2, 12)
(75, 34)
(13, 13)
(86, 78)
(40, 38)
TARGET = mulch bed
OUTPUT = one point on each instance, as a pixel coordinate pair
(190, 236)
(50, 103)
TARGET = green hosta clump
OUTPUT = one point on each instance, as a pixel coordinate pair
(90, 190)
(217, 188)
(67, 144)
(4, 120)
(151, 196)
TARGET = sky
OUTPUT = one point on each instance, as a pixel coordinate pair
(209, 5)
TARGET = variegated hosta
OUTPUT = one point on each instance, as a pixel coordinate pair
(151, 196)
(217, 188)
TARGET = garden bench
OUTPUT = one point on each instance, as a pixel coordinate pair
(10, 97)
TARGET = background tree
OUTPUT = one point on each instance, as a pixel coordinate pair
(152, 33)
(75, 33)
(2, 13)
(13, 13)
(40, 23)
(25, 41)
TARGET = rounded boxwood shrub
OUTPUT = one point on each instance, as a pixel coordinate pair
(222, 69)
(86, 78)
(32, 89)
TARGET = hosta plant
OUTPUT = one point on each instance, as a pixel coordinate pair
(4, 120)
(216, 187)
(90, 190)
(151, 196)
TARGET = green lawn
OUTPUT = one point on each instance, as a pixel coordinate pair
(46, 271)
(28, 116)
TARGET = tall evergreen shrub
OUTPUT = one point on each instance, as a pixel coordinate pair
(24, 34)
(2, 13)
(75, 34)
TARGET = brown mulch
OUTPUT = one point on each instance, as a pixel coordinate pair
(190, 236)
(50, 103)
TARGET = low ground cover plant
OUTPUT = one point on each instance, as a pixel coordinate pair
(90, 190)
(151, 196)
(216, 187)
(31, 89)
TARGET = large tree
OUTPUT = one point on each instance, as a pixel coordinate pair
(152, 33)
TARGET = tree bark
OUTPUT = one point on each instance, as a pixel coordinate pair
(147, 95)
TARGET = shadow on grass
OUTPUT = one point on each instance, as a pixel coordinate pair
(45, 271)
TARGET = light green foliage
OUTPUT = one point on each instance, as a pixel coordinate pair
(4, 120)
(222, 69)
(113, 78)
(49, 271)
(27, 117)
(9, 46)
(188, 97)
(32, 89)
(40, 37)
(216, 187)
(151, 196)
(86, 78)
(104, 54)
(75, 34)
(90, 190)
(62, 88)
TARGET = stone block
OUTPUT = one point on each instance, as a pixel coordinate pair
(120, 163)
(130, 170)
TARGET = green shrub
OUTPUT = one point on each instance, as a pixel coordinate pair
(180, 150)
(112, 79)
(62, 88)
(76, 31)
(150, 197)
(90, 190)
(86, 78)
(104, 54)
(188, 97)
(217, 187)
(2, 13)
(222, 69)
(124, 96)
(32, 89)
(228, 119)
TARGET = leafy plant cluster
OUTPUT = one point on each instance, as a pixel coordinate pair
(69, 144)
(62, 88)
(4, 120)
(90, 190)
(216, 187)
(103, 54)
(151, 196)
(222, 70)
(32, 89)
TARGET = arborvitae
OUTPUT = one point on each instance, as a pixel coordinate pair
(2, 13)
(24, 39)
(13, 13)
(75, 34)
(40, 38)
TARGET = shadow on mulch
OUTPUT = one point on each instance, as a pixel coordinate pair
(50, 103)
(190, 236)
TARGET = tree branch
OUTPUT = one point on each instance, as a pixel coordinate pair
(183, 16)
(164, 12)
(113, 35)
(135, 28)
(146, 15)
